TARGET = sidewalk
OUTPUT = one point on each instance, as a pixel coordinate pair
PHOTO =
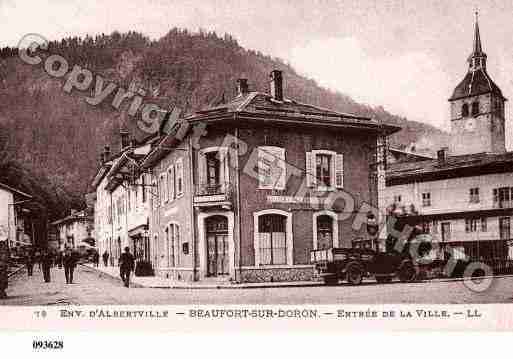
(160, 282)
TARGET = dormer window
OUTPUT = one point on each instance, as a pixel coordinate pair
(475, 108)
(464, 110)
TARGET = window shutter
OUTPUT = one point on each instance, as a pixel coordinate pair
(202, 169)
(281, 175)
(179, 177)
(310, 170)
(225, 166)
(171, 182)
(165, 187)
(339, 170)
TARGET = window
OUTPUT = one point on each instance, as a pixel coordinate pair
(397, 199)
(272, 239)
(213, 171)
(324, 232)
(474, 195)
(324, 169)
(464, 110)
(502, 197)
(271, 167)
(143, 185)
(446, 231)
(173, 244)
(484, 224)
(179, 177)
(504, 228)
(426, 199)
(163, 188)
(171, 182)
(426, 227)
(475, 108)
(471, 225)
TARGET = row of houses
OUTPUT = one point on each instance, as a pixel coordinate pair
(241, 194)
(16, 226)
(236, 196)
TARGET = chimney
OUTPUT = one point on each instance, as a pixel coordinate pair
(242, 87)
(106, 153)
(277, 85)
(102, 158)
(133, 143)
(441, 155)
(125, 140)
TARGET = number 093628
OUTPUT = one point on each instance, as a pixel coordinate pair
(47, 344)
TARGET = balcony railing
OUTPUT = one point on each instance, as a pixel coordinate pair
(503, 204)
(208, 194)
(209, 189)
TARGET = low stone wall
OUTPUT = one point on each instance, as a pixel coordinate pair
(291, 274)
(185, 275)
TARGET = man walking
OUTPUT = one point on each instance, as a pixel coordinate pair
(70, 261)
(105, 257)
(29, 262)
(96, 258)
(46, 263)
(126, 265)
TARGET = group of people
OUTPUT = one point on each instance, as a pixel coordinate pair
(46, 259)
(67, 259)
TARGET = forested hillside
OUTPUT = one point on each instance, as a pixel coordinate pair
(55, 137)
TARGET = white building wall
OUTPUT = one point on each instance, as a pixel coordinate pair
(7, 224)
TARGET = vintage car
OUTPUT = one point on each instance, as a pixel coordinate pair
(354, 264)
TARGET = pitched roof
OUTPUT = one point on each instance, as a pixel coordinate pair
(475, 83)
(261, 104)
(453, 166)
(14, 190)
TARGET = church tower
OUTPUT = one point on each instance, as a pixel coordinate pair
(477, 108)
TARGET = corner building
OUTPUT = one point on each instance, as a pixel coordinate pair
(236, 194)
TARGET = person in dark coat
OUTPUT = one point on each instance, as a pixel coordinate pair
(59, 259)
(69, 259)
(46, 263)
(126, 266)
(105, 257)
(96, 258)
(29, 262)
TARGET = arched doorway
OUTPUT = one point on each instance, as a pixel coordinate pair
(216, 229)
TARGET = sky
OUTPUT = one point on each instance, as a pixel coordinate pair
(406, 56)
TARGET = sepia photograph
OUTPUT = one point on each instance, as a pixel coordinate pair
(252, 154)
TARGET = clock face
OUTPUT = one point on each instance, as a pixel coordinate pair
(470, 125)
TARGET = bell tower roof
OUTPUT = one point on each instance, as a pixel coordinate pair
(476, 81)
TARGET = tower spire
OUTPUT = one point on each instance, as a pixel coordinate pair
(478, 49)
(477, 60)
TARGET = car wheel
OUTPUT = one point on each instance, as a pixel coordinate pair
(407, 273)
(354, 275)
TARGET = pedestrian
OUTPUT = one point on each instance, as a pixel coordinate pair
(58, 259)
(46, 264)
(4, 268)
(126, 266)
(105, 257)
(29, 262)
(96, 259)
(69, 259)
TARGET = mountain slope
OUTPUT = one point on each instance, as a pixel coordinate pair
(58, 136)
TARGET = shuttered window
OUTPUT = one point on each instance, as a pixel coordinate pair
(179, 177)
(171, 183)
(271, 167)
(324, 169)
